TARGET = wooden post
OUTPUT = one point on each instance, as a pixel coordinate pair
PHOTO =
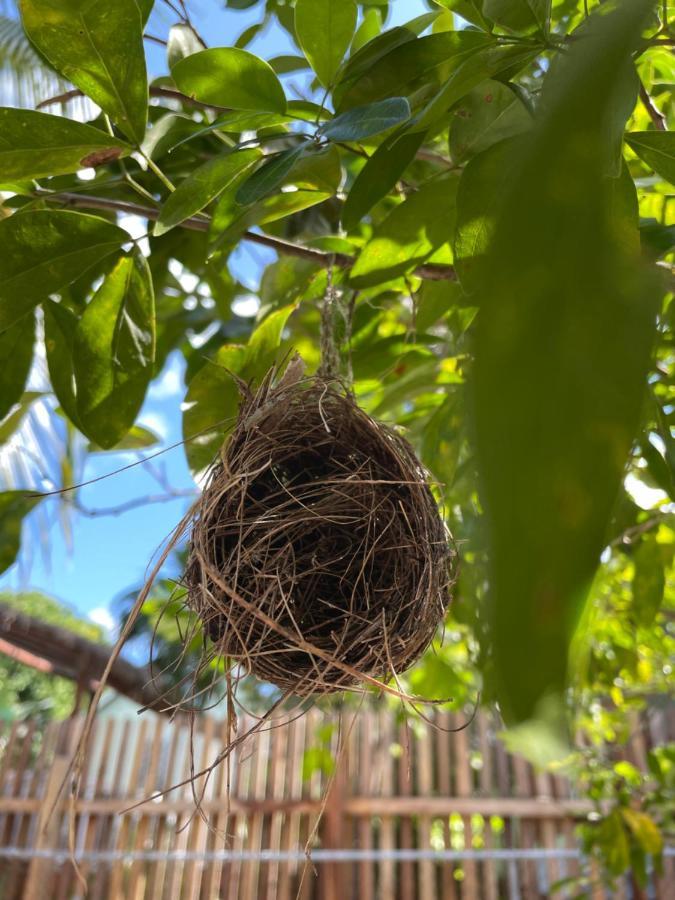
(333, 832)
(48, 827)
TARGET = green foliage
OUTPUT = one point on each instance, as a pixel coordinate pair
(523, 164)
(551, 454)
(25, 693)
(33, 144)
(114, 352)
(324, 30)
(46, 249)
(14, 507)
(227, 76)
(99, 47)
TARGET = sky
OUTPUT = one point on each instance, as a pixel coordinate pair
(106, 555)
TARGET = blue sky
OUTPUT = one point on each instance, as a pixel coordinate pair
(110, 554)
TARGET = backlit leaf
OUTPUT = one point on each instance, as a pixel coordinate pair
(34, 144)
(14, 507)
(409, 234)
(518, 15)
(183, 41)
(44, 250)
(60, 327)
(489, 113)
(99, 47)
(114, 352)
(649, 581)
(324, 29)
(657, 149)
(562, 349)
(230, 77)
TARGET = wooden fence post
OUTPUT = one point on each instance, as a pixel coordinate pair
(333, 832)
(48, 827)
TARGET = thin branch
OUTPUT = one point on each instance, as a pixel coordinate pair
(655, 114)
(429, 272)
(155, 40)
(133, 504)
(154, 92)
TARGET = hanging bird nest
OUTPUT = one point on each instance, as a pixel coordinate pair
(318, 557)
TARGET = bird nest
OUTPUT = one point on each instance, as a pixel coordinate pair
(318, 557)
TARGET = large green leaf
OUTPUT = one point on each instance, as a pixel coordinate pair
(657, 149)
(649, 581)
(562, 349)
(204, 185)
(486, 63)
(426, 59)
(44, 250)
(213, 397)
(229, 77)
(114, 352)
(480, 193)
(379, 175)
(518, 15)
(60, 328)
(489, 113)
(409, 234)
(366, 121)
(34, 144)
(14, 507)
(324, 29)
(16, 356)
(99, 47)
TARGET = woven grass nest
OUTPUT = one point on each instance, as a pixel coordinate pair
(318, 557)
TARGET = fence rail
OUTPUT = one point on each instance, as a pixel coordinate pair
(407, 813)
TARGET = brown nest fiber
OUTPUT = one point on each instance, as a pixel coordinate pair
(318, 556)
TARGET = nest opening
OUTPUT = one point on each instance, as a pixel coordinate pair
(318, 556)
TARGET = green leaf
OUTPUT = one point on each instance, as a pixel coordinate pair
(324, 29)
(145, 7)
(488, 114)
(649, 581)
(137, 438)
(479, 196)
(519, 15)
(644, 829)
(43, 250)
(269, 176)
(183, 41)
(204, 185)
(486, 63)
(315, 177)
(379, 175)
(657, 149)
(471, 10)
(99, 47)
(409, 234)
(34, 144)
(367, 121)
(10, 424)
(16, 356)
(60, 327)
(370, 27)
(563, 343)
(229, 77)
(213, 397)
(14, 507)
(114, 352)
(430, 58)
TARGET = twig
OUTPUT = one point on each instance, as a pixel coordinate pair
(133, 504)
(154, 92)
(155, 40)
(655, 114)
(429, 272)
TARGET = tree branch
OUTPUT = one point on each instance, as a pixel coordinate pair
(655, 114)
(153, 91)
(429, 272)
